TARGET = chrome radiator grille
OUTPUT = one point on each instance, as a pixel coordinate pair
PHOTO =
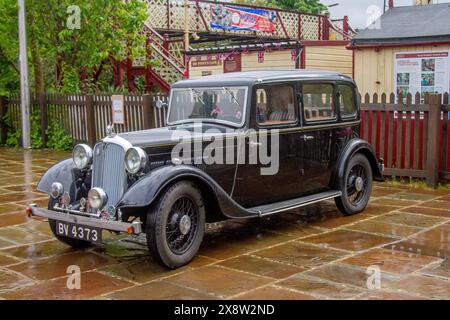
(109, 171)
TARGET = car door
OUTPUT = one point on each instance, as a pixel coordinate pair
(320, 119)
(274, 112)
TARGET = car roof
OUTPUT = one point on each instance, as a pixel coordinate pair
(254, 77)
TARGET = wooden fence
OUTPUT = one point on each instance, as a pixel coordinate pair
(411, 135)
(85, 117)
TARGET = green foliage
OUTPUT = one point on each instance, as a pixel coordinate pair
(13, 138)
(35, 122)
(58, 139)
(108, 31)
(306, 6)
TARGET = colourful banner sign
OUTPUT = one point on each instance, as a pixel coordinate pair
(241, 18)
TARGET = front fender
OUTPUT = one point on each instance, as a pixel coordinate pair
(63, 172)
(146, 190)
(356, 146)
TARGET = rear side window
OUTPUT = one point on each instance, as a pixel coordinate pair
(275, 105)
(347, 101)
(318, 102)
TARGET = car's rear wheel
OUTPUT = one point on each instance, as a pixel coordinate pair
(176, 225)
(356, 186)
(74, 243)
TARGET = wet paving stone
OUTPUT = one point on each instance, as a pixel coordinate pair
(349, 240)
(12, 219)
(301, 255)
(439, 269)
(384, 229)
(348, 275)
(428, 287)
(7, 260)
(437, 204)
(225, 247)
(393, 202)
(20, 236)
(391, 261)
(341, 221)
(274, 293)
(434, 242)
(376, 210)
(427, 211)
(10, 208)
(409, 219)
(261, 267)
(218, 281)
(160, 290)
(54, 267)
(5, 244)
(39, 250)
(312, 252)
(388, 295)
(12, 281)
(319, 287)
(411, 196)
(139, 270)
(93, 284)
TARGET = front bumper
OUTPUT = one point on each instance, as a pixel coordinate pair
(134, 228)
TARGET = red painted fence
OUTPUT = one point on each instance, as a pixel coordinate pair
(411, 135)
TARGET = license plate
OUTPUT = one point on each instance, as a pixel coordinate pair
(75, 231)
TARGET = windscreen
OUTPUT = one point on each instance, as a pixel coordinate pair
(225, 104)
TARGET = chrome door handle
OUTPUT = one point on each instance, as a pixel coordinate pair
(308, 138)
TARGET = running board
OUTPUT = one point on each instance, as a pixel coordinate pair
(277, 207)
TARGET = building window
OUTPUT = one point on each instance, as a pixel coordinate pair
(318, 102)
(347, 101)
(275, 105)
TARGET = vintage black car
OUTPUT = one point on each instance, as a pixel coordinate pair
(240, 145)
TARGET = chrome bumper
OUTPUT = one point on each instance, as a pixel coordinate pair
(117, 226)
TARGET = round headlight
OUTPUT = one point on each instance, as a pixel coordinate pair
(82, 156)
(57, 190)
(135, 160)
(97, 198)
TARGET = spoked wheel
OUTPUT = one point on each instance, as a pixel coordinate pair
(176, 225)
(182, 225)
(356, 186)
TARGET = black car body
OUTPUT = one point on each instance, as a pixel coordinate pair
(313, 115)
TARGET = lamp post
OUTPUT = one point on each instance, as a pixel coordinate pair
(329, 6)
(24, 87)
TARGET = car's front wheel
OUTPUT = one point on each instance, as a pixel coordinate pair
(74, 243)
(356, 186)
(176, 224)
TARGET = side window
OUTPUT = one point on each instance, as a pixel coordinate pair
(275, 105)
(318, 102)
(347, 101)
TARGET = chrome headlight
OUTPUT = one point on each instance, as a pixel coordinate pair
(57, 190)
(82, 156)
(97, 198)
(135, 160)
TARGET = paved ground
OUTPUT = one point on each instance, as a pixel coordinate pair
(312, 253)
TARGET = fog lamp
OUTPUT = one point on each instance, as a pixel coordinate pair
(57, 190)
(97, 198)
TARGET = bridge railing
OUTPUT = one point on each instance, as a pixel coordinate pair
(168, 15)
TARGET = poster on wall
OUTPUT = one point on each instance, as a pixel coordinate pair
(423, 72)
(233, 18)
(118, 110)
